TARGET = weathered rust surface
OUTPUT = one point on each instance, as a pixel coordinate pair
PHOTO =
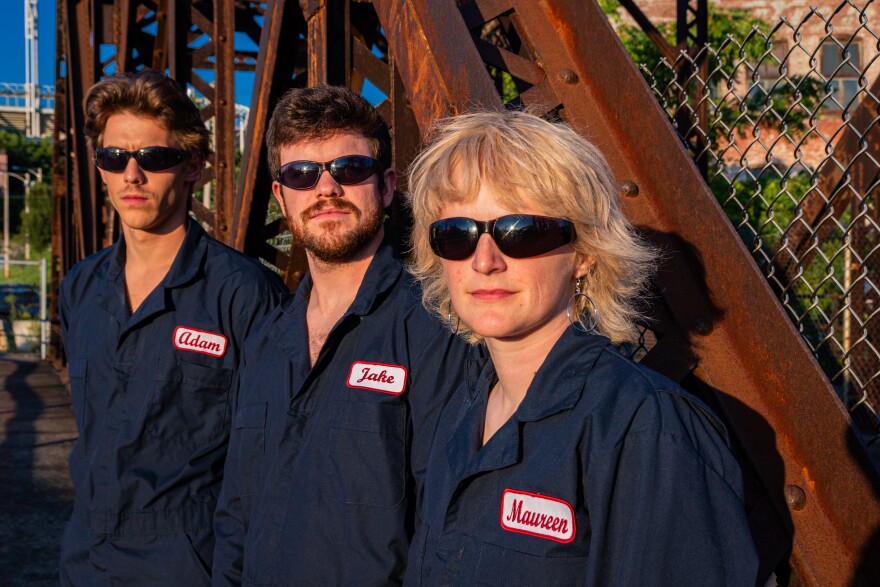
(745, 347)
(224, 118)
(281, 57)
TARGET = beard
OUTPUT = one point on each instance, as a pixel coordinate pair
(333, 244)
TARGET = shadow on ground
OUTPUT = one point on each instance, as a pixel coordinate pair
(37, 431)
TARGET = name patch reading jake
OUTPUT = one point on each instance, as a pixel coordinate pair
(200, 341)
(377, 377)
(537, 515)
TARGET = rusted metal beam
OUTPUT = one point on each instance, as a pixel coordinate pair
(177, 29)
(655, 36)
(224, 119)
(445, 81)
(747, 349)
(82, 62)
(279, 56)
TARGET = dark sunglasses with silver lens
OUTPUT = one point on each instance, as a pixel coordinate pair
(149, 158)
(348, 170)
(516, 235)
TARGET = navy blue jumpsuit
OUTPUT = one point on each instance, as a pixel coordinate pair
(607, 474)
(151, 396)
(319, 483)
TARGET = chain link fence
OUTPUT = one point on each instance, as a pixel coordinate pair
(783, 121)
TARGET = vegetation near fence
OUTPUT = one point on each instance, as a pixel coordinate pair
(781, 119)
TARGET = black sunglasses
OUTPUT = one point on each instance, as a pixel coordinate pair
(348, 170)
(149, 158)
(517, 235)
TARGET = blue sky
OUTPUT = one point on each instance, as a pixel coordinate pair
(12, 50)
(12, 47)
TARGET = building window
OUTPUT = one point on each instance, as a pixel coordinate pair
(841, 68)
(769, 68)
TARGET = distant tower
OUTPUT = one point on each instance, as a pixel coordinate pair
(32, 69)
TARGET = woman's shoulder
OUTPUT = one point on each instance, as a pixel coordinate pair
(635, 400)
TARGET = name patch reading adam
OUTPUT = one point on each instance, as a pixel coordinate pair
(377, 377)
(537, 515)
(200, 341)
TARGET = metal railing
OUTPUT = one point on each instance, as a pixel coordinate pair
(783, 122)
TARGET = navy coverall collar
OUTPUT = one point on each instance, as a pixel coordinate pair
(556, 387)
(291, 335)
(383, 272)
(186, 266)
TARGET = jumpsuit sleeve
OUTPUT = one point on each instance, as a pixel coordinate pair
(63, 313)
(665, 504)
(230, 517)
(229, 521)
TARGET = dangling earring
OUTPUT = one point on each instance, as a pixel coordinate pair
(577, 322)
(457, 322)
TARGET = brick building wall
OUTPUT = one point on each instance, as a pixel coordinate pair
(808, 43)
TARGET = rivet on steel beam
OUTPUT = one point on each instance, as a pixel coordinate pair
(795, 497)
(222, 164)
(223, 228)
(222, 38)
(568, 76)
(223, 101)
(629, 188)
(701, 326)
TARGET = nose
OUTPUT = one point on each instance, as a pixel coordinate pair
(487, 258)
(133, 172)
(328, 187)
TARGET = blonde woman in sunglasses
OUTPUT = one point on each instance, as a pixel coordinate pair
(561, 462)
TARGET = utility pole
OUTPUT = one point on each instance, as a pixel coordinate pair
(4, 169)
(28, 184)
(32, 70)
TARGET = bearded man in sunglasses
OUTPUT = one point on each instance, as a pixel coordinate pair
(342, 384)
(153, 327)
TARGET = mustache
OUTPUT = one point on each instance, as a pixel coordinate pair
(323, 204)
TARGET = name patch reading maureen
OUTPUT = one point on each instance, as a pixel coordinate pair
(199, 341)
(537, 515)
(377, 377)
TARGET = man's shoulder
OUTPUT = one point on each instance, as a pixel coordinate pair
(223, 261)
(87, 268)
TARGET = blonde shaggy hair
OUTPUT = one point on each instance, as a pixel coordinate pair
(529, 161)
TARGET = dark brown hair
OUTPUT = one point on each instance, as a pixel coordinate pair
(320, 112)
(147, 93)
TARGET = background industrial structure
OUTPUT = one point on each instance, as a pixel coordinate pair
(751, 160)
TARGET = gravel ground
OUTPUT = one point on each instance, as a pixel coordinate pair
(37, 431)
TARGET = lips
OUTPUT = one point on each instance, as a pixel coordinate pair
(491, 294)
(134, 199)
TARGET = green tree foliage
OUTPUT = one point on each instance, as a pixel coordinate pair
(39, 222)
(24, 152)
(737, 48)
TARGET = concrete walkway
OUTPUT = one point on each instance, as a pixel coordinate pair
(37, 431)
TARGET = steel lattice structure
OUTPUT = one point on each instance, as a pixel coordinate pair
(718, 327)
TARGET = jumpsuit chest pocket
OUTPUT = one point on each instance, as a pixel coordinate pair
(249, 424)
(508, 568)
(189, 403)
(366, 463)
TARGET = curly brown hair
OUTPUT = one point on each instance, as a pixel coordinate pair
(319, 112)
(152, 94)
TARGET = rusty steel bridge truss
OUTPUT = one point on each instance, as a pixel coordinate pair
(718, 327)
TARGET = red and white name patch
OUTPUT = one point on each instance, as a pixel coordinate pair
(537, 515)
(200, 341)
(377, 377)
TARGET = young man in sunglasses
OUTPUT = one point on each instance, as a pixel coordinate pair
(341, 386)
(153, 327)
